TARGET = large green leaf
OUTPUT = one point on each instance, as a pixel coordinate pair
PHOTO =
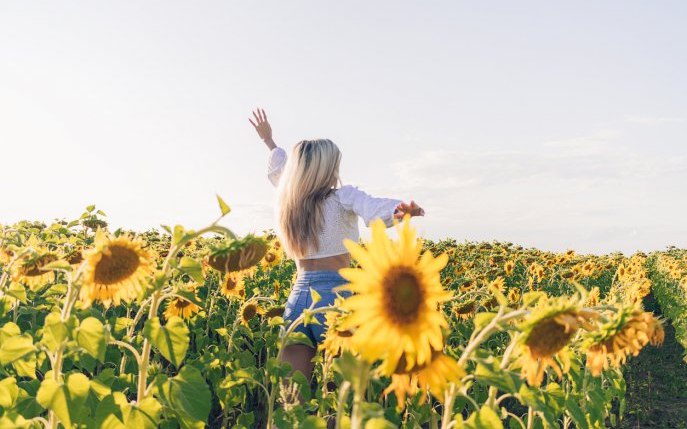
(15, 348)
(93, 336)
(485, 418)
(187, 395)
(65, 399)
(55, 331)
(171, 339)
(193, 268)
(114, 412)
(8, 392)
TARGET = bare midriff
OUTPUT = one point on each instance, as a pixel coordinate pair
(329, 263)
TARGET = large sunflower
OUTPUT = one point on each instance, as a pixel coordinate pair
(115, 269)
(397, 294)
(625, 334)
(546, 335)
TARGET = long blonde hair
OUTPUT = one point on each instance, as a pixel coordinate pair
(310, 175)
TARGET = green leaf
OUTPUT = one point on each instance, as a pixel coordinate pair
(193, 268)
(379, 423)
(485, 418)
(17, 290)
(314, 422)
(56, 332)
(574, 410)
(66, 400)
(187, 395)
(15, 348)
(93, 337)
(90, 208)
(115, 412)
(26, 366)
(171, 340)
(483, 319)
(223, 206)
(8, 392)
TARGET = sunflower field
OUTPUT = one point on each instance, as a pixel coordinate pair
(181, 328)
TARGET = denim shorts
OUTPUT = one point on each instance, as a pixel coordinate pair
(300, 298)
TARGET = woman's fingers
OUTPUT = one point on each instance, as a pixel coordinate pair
(264, 117)
(251, 121)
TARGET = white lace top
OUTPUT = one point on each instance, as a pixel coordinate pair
(341, 211)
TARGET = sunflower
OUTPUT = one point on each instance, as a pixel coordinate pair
(274, 254)
(397, 294)
(546, 335)
(593, 297)
(625, 334)
(6, 256)
(27, 269)
(403, 386)
(248, 311)
(433, 376)
(115, 269)
(179, 306)
(233, 284)
(499, 284)
(237, 255)
(274, 312)
(336, 339)
(509, 267)
(466, 310)
(514, 296)
(467, 285)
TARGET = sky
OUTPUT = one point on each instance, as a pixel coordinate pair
(558, 125)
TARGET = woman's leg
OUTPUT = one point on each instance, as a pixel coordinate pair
(300, 357)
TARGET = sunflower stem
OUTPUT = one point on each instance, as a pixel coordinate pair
(145, 353)
(359, 390)
(343, 394)
(530, 418)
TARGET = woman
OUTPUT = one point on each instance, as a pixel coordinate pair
(314, 218)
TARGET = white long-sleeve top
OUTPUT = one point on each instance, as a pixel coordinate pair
(341, 211)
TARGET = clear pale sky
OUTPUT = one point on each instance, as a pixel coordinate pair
(551, 124)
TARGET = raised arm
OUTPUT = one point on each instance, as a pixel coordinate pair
(370, 208)
(277, 158)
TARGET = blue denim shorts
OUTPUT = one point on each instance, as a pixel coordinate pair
(300, 298)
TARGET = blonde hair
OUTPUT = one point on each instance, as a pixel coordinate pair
(310, 175)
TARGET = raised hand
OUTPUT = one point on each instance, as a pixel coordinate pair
(413, 209)
(262, 127)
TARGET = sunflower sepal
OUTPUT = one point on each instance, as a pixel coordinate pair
(189, 295)
(59, 265)
(315, 296)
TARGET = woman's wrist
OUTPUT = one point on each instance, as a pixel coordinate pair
(270, 143)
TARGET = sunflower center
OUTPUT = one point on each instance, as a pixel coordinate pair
(119, 264)
(249, 312)
(403, 295)
(35, 269)
(270, 257)
(548, 337)
(230, 283)
(182, 303)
